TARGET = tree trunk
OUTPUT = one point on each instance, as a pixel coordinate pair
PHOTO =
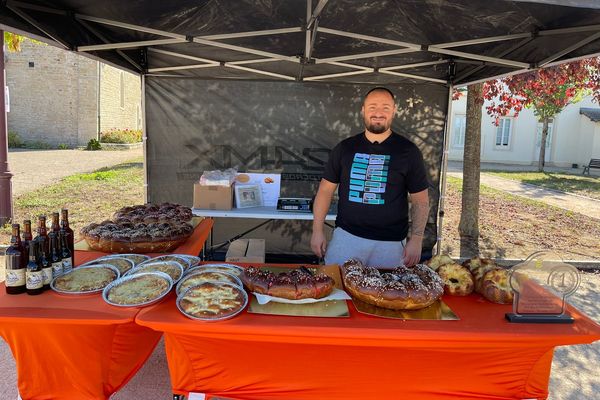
(468, 227)
(544, 138)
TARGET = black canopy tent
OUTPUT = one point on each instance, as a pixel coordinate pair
(275, 84)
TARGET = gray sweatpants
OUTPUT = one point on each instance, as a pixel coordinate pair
(381, 254)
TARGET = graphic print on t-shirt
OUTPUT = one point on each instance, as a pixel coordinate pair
(368, 178)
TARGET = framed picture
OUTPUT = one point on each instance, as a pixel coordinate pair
(248, 196)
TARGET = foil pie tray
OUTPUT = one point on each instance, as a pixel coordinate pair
(201, 271)
(141, 275)
(178, 258)
(123, 264)
(151, 266)
(84, 292)
(231, 268)
(213, 318)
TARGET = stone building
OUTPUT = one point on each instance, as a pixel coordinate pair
(60, 97)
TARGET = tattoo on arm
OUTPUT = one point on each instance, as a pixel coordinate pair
(419, 213)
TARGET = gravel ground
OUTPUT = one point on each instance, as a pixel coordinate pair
(33, 169)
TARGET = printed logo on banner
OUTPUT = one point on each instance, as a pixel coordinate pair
(368, 178)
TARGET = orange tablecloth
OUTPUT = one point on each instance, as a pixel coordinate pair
(78, 347)
(192, 246)
(275, 357)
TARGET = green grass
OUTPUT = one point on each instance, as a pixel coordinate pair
(456, 184)
(90, 197)
(588, 186)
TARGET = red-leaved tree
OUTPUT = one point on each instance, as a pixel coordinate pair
(547, 91)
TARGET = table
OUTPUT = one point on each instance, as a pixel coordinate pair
(274, 357)
(68, 347)
(268, 213)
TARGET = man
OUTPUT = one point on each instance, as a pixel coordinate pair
(376, 171)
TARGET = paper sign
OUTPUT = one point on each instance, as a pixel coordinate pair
(196, 396)
(270, 185)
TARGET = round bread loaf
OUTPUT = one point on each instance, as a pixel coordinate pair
(403, 288)
(478, 267)
(495, 286)
(458, 280)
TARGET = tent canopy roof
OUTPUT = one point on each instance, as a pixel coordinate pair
(377, 42)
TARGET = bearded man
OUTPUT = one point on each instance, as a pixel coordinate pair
(376, 173)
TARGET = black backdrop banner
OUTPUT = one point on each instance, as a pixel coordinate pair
(196, 125)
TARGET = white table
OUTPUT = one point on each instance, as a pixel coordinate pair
(267, 213)
(258, 213)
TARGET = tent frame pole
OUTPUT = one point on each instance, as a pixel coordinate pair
(418, 77)
(95, 32)
(415, 65)
(569, 49)
(130, 45)
(507, 51)
(145, 140)
(443, 172)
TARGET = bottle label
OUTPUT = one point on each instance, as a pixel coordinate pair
(15, 277)
(35, 280)
(57, 269)
(67, 264)
(48, 273)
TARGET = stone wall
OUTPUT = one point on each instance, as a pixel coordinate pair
(54, 96)
(121, 94)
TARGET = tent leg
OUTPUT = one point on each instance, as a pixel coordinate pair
(443, 171)
(6, 204)
(144, 138)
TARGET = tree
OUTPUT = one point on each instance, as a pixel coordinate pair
(13, 41)
(468, 226)
(547, 91)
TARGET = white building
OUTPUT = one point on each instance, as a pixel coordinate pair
(573, 136)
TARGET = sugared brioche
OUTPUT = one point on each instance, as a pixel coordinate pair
(403, 288)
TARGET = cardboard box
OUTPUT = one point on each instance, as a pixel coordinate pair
(246, 251)
(213, 197)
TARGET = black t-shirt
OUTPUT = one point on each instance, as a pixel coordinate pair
(374, 182)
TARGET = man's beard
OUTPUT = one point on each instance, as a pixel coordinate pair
(376, 128)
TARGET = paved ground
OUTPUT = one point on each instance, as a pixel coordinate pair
(574, 369)
(33, 169)
(579, 204)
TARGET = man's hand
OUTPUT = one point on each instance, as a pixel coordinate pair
(318, 243)
(412, 252)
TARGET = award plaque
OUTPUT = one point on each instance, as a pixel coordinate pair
(541, 285)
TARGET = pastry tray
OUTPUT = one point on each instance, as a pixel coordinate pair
(438, 311)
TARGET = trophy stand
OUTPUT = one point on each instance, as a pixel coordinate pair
(541, 285)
